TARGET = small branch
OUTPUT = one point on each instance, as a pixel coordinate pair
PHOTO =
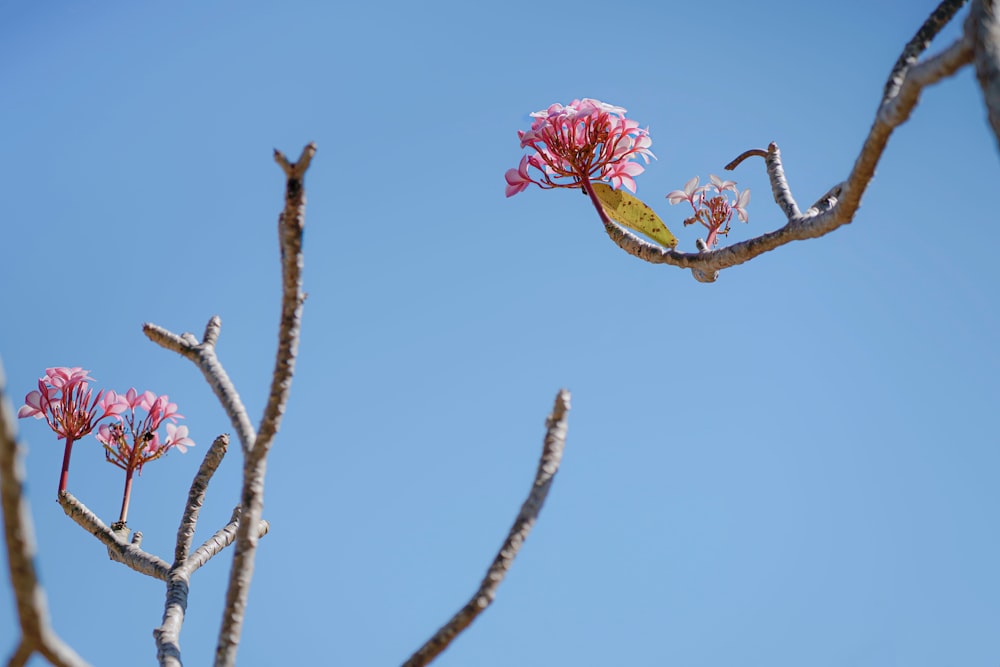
(220, 540)
(841, 202)
(555, 441)
(779, 185)
(118, 549)
(19, 537)
(203, 356)
(291, 223)
(753, 152)
(983, 27)
(776, 173)
(196, 497)
(939, 18)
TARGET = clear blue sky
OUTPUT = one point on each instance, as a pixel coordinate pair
(795, 465)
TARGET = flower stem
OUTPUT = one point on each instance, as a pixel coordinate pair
(64, 475)
(126, 496)
(596, 202)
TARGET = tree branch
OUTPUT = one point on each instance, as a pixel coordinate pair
(983, 25)
(552, 450)
(203, 356)
(118, 549)
(19, 537)
(167, 635)
(196, 497)
(841, 202)
(291, 224)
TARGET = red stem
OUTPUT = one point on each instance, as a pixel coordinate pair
(596, 202)
(127, 495)
(64, 476)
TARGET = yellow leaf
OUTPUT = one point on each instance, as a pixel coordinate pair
(631, 212)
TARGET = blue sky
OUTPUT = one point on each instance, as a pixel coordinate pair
(795, 465)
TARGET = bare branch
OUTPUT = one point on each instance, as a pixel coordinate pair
(167, 636)
(178, 586)
(779, 186)
(291, 224)
(196, 497)
(552, 450)
(19, 537)
(841, 202)
(118, 548)
(939, 18)
(203, 356)
(738, 160)
(983, 27)
(220, 540)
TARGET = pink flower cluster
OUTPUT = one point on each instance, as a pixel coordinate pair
(65, 400)
(715, 212)
(582, 141)
(145, 443)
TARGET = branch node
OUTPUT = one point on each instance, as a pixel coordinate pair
(700, 275)
(296, 170)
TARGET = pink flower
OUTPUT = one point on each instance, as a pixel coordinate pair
(135, 441)
(689, 193)
(67, 403)
(740, 206)
(620, 174)
(713, 213)
(177, 436)
(518, 179)
(585, 140)
(721, 185)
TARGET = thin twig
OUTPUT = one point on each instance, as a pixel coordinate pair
(19, 537)
(841, 202)
(552, 450)
(753, 152)
(291, 224)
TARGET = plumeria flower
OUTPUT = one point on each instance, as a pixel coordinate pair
(714, 213)
(721, 185)
(134, 440)
(689, 193)
(67, 403)
(518, 179)
(740, 206)
(620, 174)
(177, 436)
(583, 141)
